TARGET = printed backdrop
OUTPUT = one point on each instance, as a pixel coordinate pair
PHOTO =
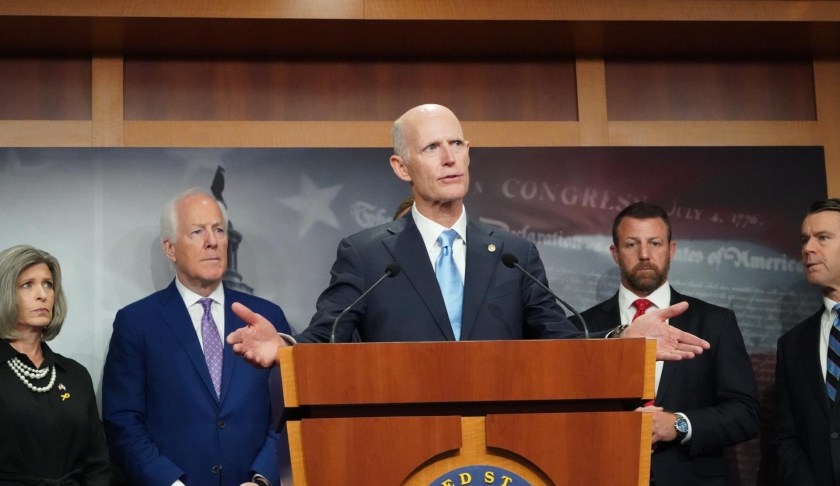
(735, 215)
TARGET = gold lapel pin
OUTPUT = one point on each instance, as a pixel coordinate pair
(491, 247)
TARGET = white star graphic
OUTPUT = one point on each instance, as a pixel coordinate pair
(313, 204)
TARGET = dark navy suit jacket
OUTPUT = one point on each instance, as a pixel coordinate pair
(716, 390)
(807, 432)
(499, 302)
(162, 418)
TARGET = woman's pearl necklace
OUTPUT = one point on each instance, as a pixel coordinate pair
(23, 372)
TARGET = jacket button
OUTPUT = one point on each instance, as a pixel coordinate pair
(215, 469)
(834, 435)
(221, 424)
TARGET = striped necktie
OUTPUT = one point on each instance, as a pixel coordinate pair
(833, 359)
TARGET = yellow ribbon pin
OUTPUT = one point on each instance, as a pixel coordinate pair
(65, 396)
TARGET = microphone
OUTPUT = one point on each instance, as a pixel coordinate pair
(392, 270)
(510, 261)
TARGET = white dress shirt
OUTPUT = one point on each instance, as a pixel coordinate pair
(826, 321)
(196, 310)
(660, 297)
(430, 231)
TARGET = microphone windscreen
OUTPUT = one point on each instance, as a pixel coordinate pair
(393, 269)
(510, 260)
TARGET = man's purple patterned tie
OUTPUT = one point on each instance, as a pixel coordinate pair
(212, 345)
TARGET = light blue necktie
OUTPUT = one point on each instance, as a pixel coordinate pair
(449, 280)
(833, 359)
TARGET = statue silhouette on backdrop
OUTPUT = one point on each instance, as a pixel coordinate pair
(232, 277)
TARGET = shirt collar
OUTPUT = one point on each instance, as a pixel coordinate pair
(829, 305)
(828, 314)
(49, 356)
(429, 230)
(190, 297)
(660, 297)
(7, 352)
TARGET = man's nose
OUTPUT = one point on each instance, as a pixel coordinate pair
(447, 153)
(212, 239)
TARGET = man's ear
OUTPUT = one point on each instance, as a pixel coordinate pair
(398, 165)
(169, 250)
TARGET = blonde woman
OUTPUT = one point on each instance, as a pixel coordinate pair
(52, 434)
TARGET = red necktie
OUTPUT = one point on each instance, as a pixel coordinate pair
(641, 305)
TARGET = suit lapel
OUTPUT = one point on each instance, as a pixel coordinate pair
(230, 362)
(406, 246)
(482, 263)
(809, 350)
(669, 368)
(609, 312)
(177, 319)
(603, 316)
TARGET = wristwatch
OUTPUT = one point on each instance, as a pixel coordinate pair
(681, 426)
(260, 480)
(616, 331)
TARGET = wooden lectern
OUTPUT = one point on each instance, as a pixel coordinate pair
(550, 411)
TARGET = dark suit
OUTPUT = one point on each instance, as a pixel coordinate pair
(807, 432)
(162, 418)
(715, 390)
(499, 302)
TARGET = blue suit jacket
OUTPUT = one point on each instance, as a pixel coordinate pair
(716, 391)
(807, 433)
(499, 302)
(162, 418)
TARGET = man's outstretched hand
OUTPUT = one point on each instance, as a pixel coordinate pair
(258, 341)
(672, 344)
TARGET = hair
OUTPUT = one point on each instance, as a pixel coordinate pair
(13, 261)
(404, 207)
(832, 204)
(169, 218)
(398, 139)
(641, 210)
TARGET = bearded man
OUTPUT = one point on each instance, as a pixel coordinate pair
(704, 404)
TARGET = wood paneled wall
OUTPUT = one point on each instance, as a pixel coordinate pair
(583, 86)
(316, 90)
(646, 90)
